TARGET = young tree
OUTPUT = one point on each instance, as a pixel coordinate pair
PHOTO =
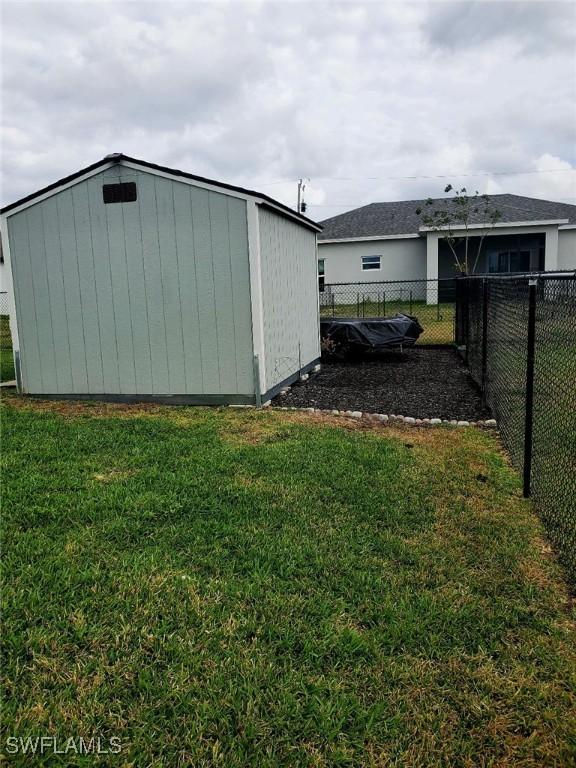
(456, 214)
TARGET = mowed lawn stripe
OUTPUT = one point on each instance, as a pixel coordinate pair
(223, 587)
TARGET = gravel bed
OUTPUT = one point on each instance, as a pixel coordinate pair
(423, 383)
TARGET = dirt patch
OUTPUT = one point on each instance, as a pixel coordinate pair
(423, 383)
(113, 475)
(72, 408)
(248, 429)
(239, 426)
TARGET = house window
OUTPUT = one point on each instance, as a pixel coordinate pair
(125, 192)
(370, 262)
(509, 261)
(321, 275)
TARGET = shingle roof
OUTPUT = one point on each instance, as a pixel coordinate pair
(400, 218)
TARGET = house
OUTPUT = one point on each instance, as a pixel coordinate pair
(132, 281)
(388, 241)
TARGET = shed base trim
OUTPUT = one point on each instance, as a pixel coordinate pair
(181, 399)
(273, 391)
(160, 399)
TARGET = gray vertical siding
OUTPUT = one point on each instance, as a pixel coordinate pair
(290, 296)
(151, 297)
(58, 313)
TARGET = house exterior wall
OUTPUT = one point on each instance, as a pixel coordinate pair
(567, 249)
(428, 258)
(402, 259)
(289, 297)
(150, 297)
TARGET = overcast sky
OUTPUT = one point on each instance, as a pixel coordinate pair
(351, 95)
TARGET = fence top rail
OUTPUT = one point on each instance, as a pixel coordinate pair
(556, 275)
(395, 282)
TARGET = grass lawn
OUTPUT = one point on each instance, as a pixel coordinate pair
(242, 588)
(437, 320)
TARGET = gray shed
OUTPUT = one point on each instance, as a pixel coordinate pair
(131, 281)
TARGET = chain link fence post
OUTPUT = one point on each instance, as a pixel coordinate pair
(529, 406)
(484, 374)
(461, 312)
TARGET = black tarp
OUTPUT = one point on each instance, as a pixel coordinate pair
(343, 336)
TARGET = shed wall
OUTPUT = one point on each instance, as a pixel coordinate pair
(150, 297)
(289, 296)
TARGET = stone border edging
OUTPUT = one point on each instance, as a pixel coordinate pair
(388, 418)
(393, 418)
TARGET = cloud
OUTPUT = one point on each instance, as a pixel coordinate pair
(352, 95)
(533, 26)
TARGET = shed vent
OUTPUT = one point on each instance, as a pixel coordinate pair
(125, 192)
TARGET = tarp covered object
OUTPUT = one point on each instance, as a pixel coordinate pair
(341, 336)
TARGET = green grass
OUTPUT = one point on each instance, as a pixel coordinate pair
(241, 588)
(437, 320)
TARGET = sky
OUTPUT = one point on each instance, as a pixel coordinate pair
(366, 101)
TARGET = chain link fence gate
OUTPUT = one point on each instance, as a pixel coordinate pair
(518, 335)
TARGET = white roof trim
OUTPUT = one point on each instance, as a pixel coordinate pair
(282, 212)
(52, 192)
(219, 190)
(135, 166)
(366, 239)
(184, 180)
(498, 225)
(567, 226)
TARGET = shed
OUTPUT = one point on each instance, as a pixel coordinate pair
(132, 281)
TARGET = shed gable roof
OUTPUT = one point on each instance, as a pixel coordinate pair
(400, 218)
(177, 174)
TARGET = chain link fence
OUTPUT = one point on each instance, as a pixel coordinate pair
(5, 337)
(6, 360)
(519, 338)
(432, 302)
